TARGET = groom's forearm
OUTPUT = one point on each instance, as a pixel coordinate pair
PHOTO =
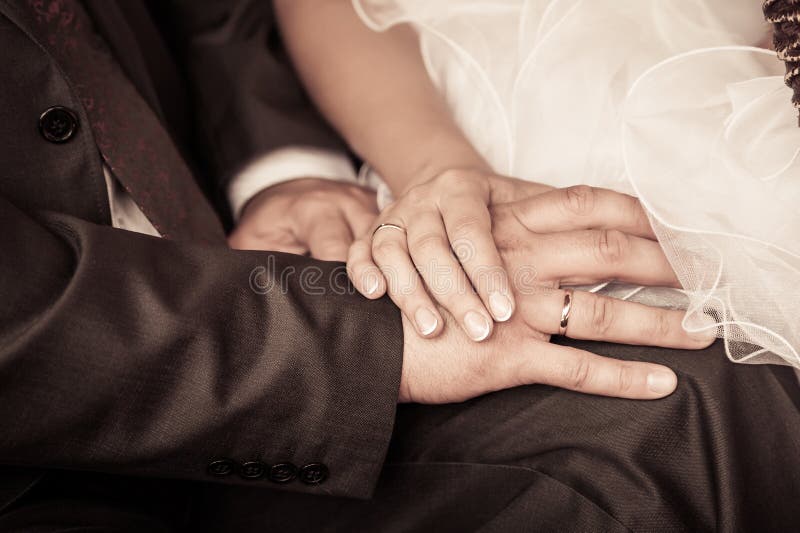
(129, 354)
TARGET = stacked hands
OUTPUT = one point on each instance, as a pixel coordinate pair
(477, 263)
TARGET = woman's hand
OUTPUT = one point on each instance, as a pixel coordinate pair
(434, 246)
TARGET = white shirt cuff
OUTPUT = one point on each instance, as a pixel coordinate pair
(368, 177)
(283, 165)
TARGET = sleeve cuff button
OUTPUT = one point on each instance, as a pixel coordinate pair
(252, 470)
(221, 467)
(313, 473)
(282, 473)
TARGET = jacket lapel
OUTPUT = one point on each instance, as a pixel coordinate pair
(111, 23)
(133, 142)
(134, 38)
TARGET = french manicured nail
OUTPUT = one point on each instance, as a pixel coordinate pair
(662, 382)
(426, 321)
(370, 283)
(501, 307)
(477, 326)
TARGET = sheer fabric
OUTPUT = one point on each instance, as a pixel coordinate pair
(668, 100)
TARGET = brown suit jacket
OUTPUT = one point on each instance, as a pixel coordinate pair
(133, 355)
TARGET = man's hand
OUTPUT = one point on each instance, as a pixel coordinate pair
(451, 368)
(577, 235)
(312, 216)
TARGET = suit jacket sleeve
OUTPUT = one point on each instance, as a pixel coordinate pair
(248, 99)
(128, 354)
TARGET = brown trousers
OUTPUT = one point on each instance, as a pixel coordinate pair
(721, 454)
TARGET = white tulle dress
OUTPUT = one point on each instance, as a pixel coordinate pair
(669, 100)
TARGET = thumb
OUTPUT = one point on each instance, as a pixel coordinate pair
(361, 220)
(360, 213)
(329, 237)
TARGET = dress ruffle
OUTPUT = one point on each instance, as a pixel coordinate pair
(664, 99)
(724, 191)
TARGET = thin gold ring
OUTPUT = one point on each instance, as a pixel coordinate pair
(388, 226)
(569, 294)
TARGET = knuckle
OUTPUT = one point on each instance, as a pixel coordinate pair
(465, 225)
(417, 194)
(429, 241)
(660, 327)
(602, 316)
(580, 199)
(636, 213)
(451, 178)
(632, 212)
(612, 246)
(385, 248)
(578, 374)
(625, 379)
(319, 199)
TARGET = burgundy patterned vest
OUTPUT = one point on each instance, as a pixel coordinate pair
(131, 139)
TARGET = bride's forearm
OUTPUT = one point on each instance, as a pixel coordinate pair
(374, 89)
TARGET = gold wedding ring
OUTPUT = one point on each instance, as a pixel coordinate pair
(569, 294)
(388, 226)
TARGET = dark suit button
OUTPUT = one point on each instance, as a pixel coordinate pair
(282, 473)
(58, 124)
(221, 467)
(252, 470)
(313, 473)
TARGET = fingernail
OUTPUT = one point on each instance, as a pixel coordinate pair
(476, 325)
(370, 283)
(662, 382)
(501, 307)
(426, 321)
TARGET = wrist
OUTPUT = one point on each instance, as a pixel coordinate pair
(438, 154)
(456, 165)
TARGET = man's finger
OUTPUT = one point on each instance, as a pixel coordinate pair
(600, 318)
(329, 238)
(582, 207)
(591, 256)
(569, 368)
(360, 218)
